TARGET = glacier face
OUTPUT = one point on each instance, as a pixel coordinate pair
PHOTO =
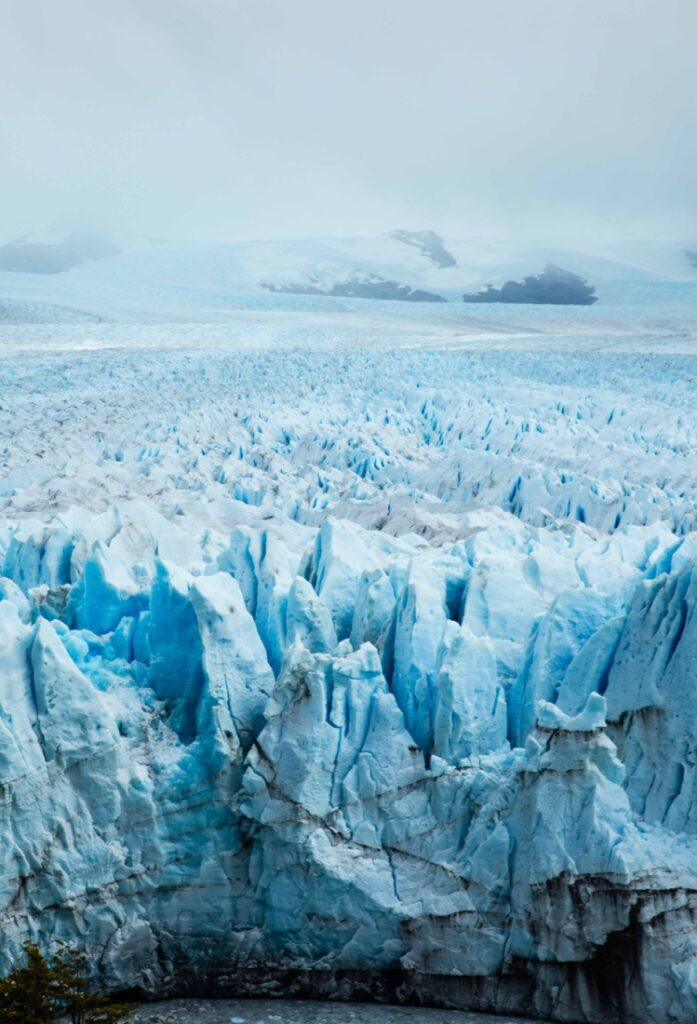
(349, 673)
(339, 756)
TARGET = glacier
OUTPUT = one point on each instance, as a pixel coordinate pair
(354, 672)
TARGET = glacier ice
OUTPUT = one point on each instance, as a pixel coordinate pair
(354, 676)
(479, 787)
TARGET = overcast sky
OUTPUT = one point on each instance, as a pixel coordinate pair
(231, 119)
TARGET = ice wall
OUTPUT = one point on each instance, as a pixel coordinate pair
(354, 763)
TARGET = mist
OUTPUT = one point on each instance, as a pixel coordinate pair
(227, 120)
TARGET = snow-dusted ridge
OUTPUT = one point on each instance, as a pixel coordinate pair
(148, 282)
(342, 656)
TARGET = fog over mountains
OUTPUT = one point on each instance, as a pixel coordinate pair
(240, 121)
(129, 277)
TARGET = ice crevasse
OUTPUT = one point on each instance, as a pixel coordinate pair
(352, 764)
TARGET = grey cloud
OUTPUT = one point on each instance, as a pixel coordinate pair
(254, 118)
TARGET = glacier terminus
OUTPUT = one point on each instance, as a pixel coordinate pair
(348, 648)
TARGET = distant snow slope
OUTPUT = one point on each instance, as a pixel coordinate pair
(348, 648)
(165, 283)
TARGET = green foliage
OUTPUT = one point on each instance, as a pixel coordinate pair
(43, 991)
(72, 996)
(25, 994)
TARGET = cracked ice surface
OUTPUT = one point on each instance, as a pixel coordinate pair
(354, 674)
(398, 440)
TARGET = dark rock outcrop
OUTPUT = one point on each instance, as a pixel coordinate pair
(429, 243)
(554, 286)
(371, 287)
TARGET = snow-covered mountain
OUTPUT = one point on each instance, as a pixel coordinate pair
(347, 647)
(58, 250)
(133, 279)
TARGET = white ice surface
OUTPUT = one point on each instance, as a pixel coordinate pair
(352, 636)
